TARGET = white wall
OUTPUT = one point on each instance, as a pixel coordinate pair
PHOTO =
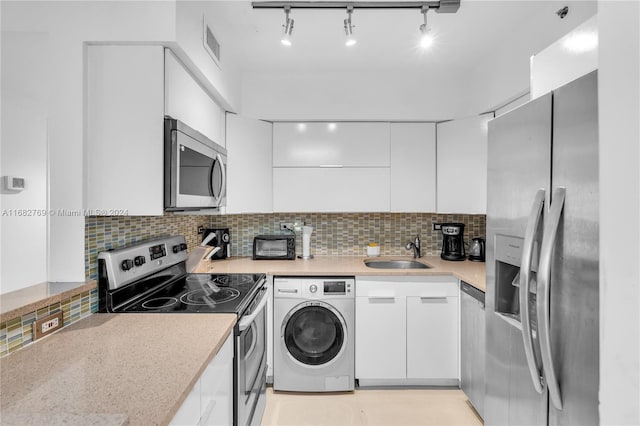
(353, 95)
(69, 25)
(398, 95)
(223, 82)
(619, 100)
(24, 154)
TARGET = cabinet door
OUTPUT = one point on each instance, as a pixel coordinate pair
(331, 189)
(189, 412)
(124, 148)
(381, 336)
(432, 337)
(217, 388)
(249, 172)
(462, 165)
(413, 167)
(331, 144)
(187, 101)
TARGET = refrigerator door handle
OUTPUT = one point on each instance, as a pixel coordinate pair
(544, 277)
(525, 279)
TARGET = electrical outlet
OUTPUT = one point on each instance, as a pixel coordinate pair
(200, 230)
(437, 226)
(286, 226)
(47, 325)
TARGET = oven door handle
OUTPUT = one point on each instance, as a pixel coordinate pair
(246, 321)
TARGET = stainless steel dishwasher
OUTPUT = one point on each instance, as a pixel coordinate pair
(472, 345)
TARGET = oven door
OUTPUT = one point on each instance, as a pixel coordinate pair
(251, 356)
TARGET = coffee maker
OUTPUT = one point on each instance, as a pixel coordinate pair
(221, 240)
(452, 241)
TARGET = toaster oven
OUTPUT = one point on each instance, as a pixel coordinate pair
(274, 247)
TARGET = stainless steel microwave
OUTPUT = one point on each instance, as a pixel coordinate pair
(195, 169)
(273, 247)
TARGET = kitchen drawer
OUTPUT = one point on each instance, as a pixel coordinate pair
(420, 286)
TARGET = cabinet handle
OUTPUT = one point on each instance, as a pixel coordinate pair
(204, 419)
(382, 298)
(444, 298)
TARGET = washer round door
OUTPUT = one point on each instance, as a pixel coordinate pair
(314, 333)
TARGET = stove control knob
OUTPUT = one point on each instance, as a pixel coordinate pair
(183, 246)
(139, 260)
(126, 264)
(313, 288)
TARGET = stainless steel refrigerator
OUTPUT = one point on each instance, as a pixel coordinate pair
(542, 253)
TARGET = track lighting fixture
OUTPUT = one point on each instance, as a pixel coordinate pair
(348, 28)
(288, 27)
(426, 39)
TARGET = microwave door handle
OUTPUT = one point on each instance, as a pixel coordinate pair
(223, 178)
(223, 172)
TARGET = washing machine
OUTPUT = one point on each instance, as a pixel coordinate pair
(314, 324)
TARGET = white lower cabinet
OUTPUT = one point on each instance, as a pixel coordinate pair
(210, 402)
(432, 337)
(407, 331)
(380, 334)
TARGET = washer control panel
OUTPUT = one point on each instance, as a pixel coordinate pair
(314, 287)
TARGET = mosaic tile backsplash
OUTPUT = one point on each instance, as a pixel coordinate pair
(18, 332)
(344, 234)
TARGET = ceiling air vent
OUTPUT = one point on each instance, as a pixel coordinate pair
(211, 45)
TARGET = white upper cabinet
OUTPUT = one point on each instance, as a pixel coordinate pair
(129, 90)
(462, 165)
(331, 167)
(413, 167)
(315, 144)
(186, 100)
(573, 56)
(249, 171)
(316, 189)
(124, 148)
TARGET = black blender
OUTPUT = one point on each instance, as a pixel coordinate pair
(452, 241)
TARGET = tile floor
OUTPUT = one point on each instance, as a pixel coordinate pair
(369, 407)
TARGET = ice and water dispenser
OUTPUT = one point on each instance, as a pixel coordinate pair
(507, 295)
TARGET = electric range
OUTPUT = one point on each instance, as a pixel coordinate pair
(151, 277)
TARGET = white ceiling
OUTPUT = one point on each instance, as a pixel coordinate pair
(387, 39)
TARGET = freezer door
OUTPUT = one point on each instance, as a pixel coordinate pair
(519, 159)
(574, 279)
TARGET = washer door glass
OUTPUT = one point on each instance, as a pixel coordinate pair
(314, 335)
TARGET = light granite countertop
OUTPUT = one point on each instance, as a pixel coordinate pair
(470, 272)
(111, 369)
(19, 302)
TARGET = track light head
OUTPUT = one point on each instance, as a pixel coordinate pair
(348, 28)
(288, 27)
(426, 39)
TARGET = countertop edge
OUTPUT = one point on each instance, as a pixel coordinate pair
(472, 273)
(40, 302)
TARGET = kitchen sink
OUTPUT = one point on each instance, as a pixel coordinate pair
(395, 264)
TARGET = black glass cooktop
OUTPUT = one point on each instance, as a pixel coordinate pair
(228, 293)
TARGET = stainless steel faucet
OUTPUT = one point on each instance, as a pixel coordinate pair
(415, 245)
